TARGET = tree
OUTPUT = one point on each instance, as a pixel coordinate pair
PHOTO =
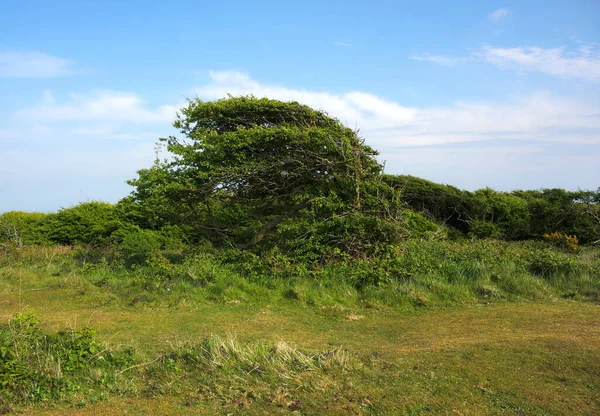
(245, 165)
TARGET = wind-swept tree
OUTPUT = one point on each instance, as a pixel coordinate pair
(245, 165)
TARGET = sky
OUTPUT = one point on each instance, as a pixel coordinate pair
(501, 94)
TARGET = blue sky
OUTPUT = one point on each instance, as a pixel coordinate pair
(474, 94)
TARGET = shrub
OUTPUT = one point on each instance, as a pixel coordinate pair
(419, 226)
(20, 228)
(547, 263)
(86, 223)
(564, 241)
(484, 229)
(138, 246)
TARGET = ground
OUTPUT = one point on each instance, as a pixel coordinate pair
(479, 359)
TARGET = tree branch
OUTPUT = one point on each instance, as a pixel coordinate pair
(272, 224)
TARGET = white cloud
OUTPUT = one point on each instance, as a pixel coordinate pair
(584, 64)
(354, 108)
(498, 15)
(33, 65)
(343, 43)
(96, 162)
(100, 106)
(388, 125)
(83, 147)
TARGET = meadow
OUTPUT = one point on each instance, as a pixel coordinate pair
(467, 331)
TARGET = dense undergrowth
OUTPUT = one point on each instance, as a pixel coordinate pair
(36, 366)
(419, 273)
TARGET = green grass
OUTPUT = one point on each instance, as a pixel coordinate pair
(469, 336)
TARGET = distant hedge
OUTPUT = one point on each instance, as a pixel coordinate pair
(517, 215)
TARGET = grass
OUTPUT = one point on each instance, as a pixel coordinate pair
(473, 337)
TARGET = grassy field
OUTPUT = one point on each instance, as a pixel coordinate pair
(283, 355)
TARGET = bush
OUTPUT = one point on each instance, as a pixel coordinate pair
(20, 228)
(548, 263)
(419, 226)
(138, 246)
(517, 215)
(87, 223)
(484, 229)
(564, 241)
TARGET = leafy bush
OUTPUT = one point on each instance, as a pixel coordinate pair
(418, 225)
(20, 228)
(138, 246)
(547, 263)
(516, 215)
(484, 229)
(87, 223)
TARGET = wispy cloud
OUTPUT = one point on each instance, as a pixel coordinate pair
(343, 43)
(33, 65)
(498, 15)
(582, 64)
(353, 107)
(89, 118)
(98, 106)
(540, 117)
(438, 59)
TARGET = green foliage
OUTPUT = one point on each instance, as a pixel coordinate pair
(420, 226)
(37, 366)
(20, 228)
(87, 223)
(246, 165)
(150, 207)
(444, 203)
(510, 213)
(557, 210)
(138, 246)
(547, 263)
(484, 229)
(96, 224)
(518, 215)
